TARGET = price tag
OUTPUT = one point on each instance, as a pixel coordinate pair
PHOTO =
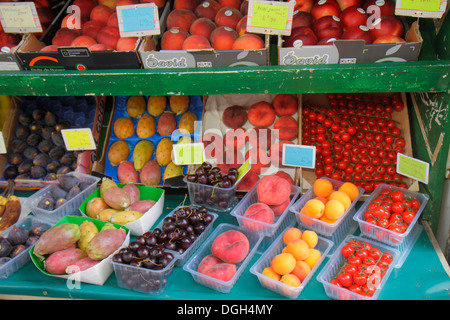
(270, 17)
(188, 153)
(299, 156)
(242, 170)
(138, 20)
(421, 8)
(19, 17)
(78, 139)
(413, 168)
(2, 144)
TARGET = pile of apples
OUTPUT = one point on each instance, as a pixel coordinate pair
(324, 21)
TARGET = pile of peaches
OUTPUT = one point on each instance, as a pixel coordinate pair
(324, 21)
(98, 29)
(209, 24)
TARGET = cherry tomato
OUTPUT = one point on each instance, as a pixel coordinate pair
(345, 279)
(347, 250)
(387, 257)
(408, 216)
(360, 279)
(396, 196)
(397, 207)
(414, 204)
(355, 289)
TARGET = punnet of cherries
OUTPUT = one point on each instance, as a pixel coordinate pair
(209, 175)
(356, 138)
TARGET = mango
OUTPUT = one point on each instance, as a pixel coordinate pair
(105, 243)
(105, 185)
(117, 198)
(151, 174)
(126, 216)
(166, 124)
(156, 105)
(118, 152)
(136, 106)
(58, 237)
(104, 215)
(164, 152)
(179, 104)
(142, 205)
(123, 128)
(133, 191)
(88, 230)
(142, 153)
(57, 262)
(187, 123)
(126, 172)
(172, 170)
(146, 127)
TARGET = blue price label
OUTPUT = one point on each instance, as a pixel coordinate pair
(299, 156)
(138, 19)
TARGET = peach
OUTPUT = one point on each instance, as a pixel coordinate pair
(109, 3)
(235, 139)
(101, 13)
(286, 128)
(112, 20)
(285, 175)
(109, 36)
(273, 190)
(241, 27)
(234, 116)
(303, 36)
(64, 37)
(86, 7)
(69, 21)
(180, 18)
(285, 104)
(50, 47)
(278, 210)
(228, 17)
(126, 44)
(159, 3)
(231, 246)
(260, 212)
(247, 181)
(91, 28)
(236, 4)
(83, 41)
(173, 38)
(276, 152)
(207, 9)
(283, 263)
(244, 7)
(261, 114)
(248, 41)
(186, 4)
(99, 47)
(126, 2)
(260, 138)
(196, 42)
(259, 160)
(202, 27)
(208, 262)
(301, 270)
(222, 38)
(388, 39)
(222, 271)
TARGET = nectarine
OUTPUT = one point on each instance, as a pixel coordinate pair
(222, 38)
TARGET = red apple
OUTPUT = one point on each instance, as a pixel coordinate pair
(344, 4)
(300, 36)
(302, 19)
(328, 27)
(358, 33)
(353, 16)
(303, 5)
(388, 39)
(387, 25)
(387, 7)
(325, 8)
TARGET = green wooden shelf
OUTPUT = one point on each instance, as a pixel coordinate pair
(417, 76)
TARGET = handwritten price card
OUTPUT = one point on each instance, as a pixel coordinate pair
(188, 153)
(19, 17)
(270, 17)
(299, 156)
(421, 8)
(78, 139)
(138, 20)
(413, 168)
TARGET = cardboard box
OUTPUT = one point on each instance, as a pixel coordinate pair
(85, 159)
(308, 176)
(353, 51)
(9, 61)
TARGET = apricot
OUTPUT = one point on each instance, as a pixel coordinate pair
(259, 212)
(322, 187)
(291, 280)
(83, 41)
(283, 263)
(234, 116)
(286, 128)
(202, 27)
(268, 272)
(248, 41)
(334, 209)
(285, 104)
(298, 248)
(313, 257)
(291, 234)
(342, 197)
(196, 42)
(313, 208)
(261, 114)
(228, 17)
(301, 270)
(273, 190)
(324, 218)
(323, 199)
(310, 237)
(173, 39)
(207, 9)
(231, 246)
(182, 18)
(101, 13)
(350, 189)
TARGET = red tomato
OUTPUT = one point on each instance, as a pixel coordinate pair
(347, 250)
(345, 279)
(414, 204)
(397, 207)
(360, 279)
(396, 196)
(408, 216)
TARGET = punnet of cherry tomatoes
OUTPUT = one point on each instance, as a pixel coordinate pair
(357, 138)
(363, 269)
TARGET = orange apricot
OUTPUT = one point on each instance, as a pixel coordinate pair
(310, 237)
(283, 263)
(323, 199)
(268, 272)
(322, 187)
(291, 280)
(334, 209)
(291, 233)
(350, 189)
(298, 248)
(313, 257)
(301, 270)
(342, 197)
(313, 208)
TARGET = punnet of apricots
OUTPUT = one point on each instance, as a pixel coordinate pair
(296, 260)
(330, 203)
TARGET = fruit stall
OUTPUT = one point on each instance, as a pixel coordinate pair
(95, 204)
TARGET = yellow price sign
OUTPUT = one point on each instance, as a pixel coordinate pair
(188, 153)
(270, 17)
(78, 139)
(421, 8)
(413, 168)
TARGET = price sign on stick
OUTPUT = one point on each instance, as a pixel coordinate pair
(78, 139)
(270, 17)
(188, 153)
(299, 156)
(19, 17)
(413, 168)
(138, 20)
(421, 8)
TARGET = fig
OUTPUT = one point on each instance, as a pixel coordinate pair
(31, 241)
(38, 114)
(11, 172)
(62, 125)
(33, 139)
(18, 145)
(22, 132)
(5, 247)
(68, 159)
(60, 202)
(45, 146)
(14, 158)
(56, 153)
(50, 176)
(36, 127)
(53, 166)
(47, 132)
(42, 160)
(56, 191)
(57, 138)
(17, 235)
(30, 153)
(47, 204)
(37, 172)
(84, 185)
(50, 119)
(25, 119)
(25, 166)
(18, 249)
(23, 176)
(73, 192)
(64, 170)
(67, 182)
(37, 230)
